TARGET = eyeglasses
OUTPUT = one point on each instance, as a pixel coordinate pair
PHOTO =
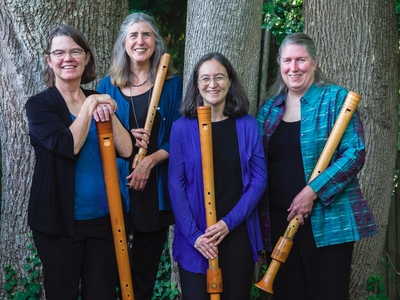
(207, 80)
(75, 53)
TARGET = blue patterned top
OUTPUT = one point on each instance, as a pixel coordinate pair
(340, 214)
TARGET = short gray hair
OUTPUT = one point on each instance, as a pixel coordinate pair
(301, 39)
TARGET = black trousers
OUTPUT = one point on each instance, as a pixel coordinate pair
(87, 258)
(311, 273)
(237, 267)
(145, 257)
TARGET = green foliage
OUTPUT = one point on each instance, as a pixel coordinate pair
(170, 16)
(283, 17)
(259, 272)
(255, 291)
(26, 288)
(164, 289)
(375, 285)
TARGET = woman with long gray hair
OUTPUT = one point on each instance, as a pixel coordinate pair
(137, 53)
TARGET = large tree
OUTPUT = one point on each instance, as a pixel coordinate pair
(231, 27)
(24, 27)
(358, 43)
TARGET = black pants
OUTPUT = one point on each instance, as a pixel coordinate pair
(87, 258)
(145, 257)
(311, 273)
(237, 267)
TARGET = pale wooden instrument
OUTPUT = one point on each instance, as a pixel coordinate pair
(155, 98)
(108, 158)
(214, 274)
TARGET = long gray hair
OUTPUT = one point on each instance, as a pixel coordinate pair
(301, 39)
(120, 69)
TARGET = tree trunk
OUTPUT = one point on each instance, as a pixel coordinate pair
(231, 27)
(264, 67)
(25, 26)
(358, 43)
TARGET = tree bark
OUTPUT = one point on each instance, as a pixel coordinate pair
(265, 51)
(25, 26)
(231, 27)
(358, 43)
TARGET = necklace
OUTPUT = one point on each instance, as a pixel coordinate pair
(140, 84)
(133, 105)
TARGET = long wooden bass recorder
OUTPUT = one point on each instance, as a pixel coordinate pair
(109, 160)
(155, 98)
(284, 245)
(214, 274)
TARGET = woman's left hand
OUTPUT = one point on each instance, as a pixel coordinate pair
(105, 107)
(217, 232)
(139, 176)
(302, 204)
(207, 243)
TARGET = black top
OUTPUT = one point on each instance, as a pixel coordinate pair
(227, 170)
(285, 165)
(144, 204)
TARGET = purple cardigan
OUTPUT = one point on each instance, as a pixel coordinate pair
(186, 189)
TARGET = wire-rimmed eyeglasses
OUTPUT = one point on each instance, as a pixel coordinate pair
(218, 79)
(75, 53)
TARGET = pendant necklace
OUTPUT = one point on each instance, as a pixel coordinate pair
(133, 105)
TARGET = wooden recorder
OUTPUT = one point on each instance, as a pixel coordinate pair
(214, 274)
(155, 98)
(109, 160)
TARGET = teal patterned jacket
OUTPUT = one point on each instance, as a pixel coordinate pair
(340, 214)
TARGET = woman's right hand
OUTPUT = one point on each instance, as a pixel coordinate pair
(302, 204)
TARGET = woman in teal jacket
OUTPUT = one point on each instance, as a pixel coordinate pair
(295, 124)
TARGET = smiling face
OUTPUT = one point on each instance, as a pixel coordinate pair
(214, 93)
(69, 67)
(140, 42)
(297, 68)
